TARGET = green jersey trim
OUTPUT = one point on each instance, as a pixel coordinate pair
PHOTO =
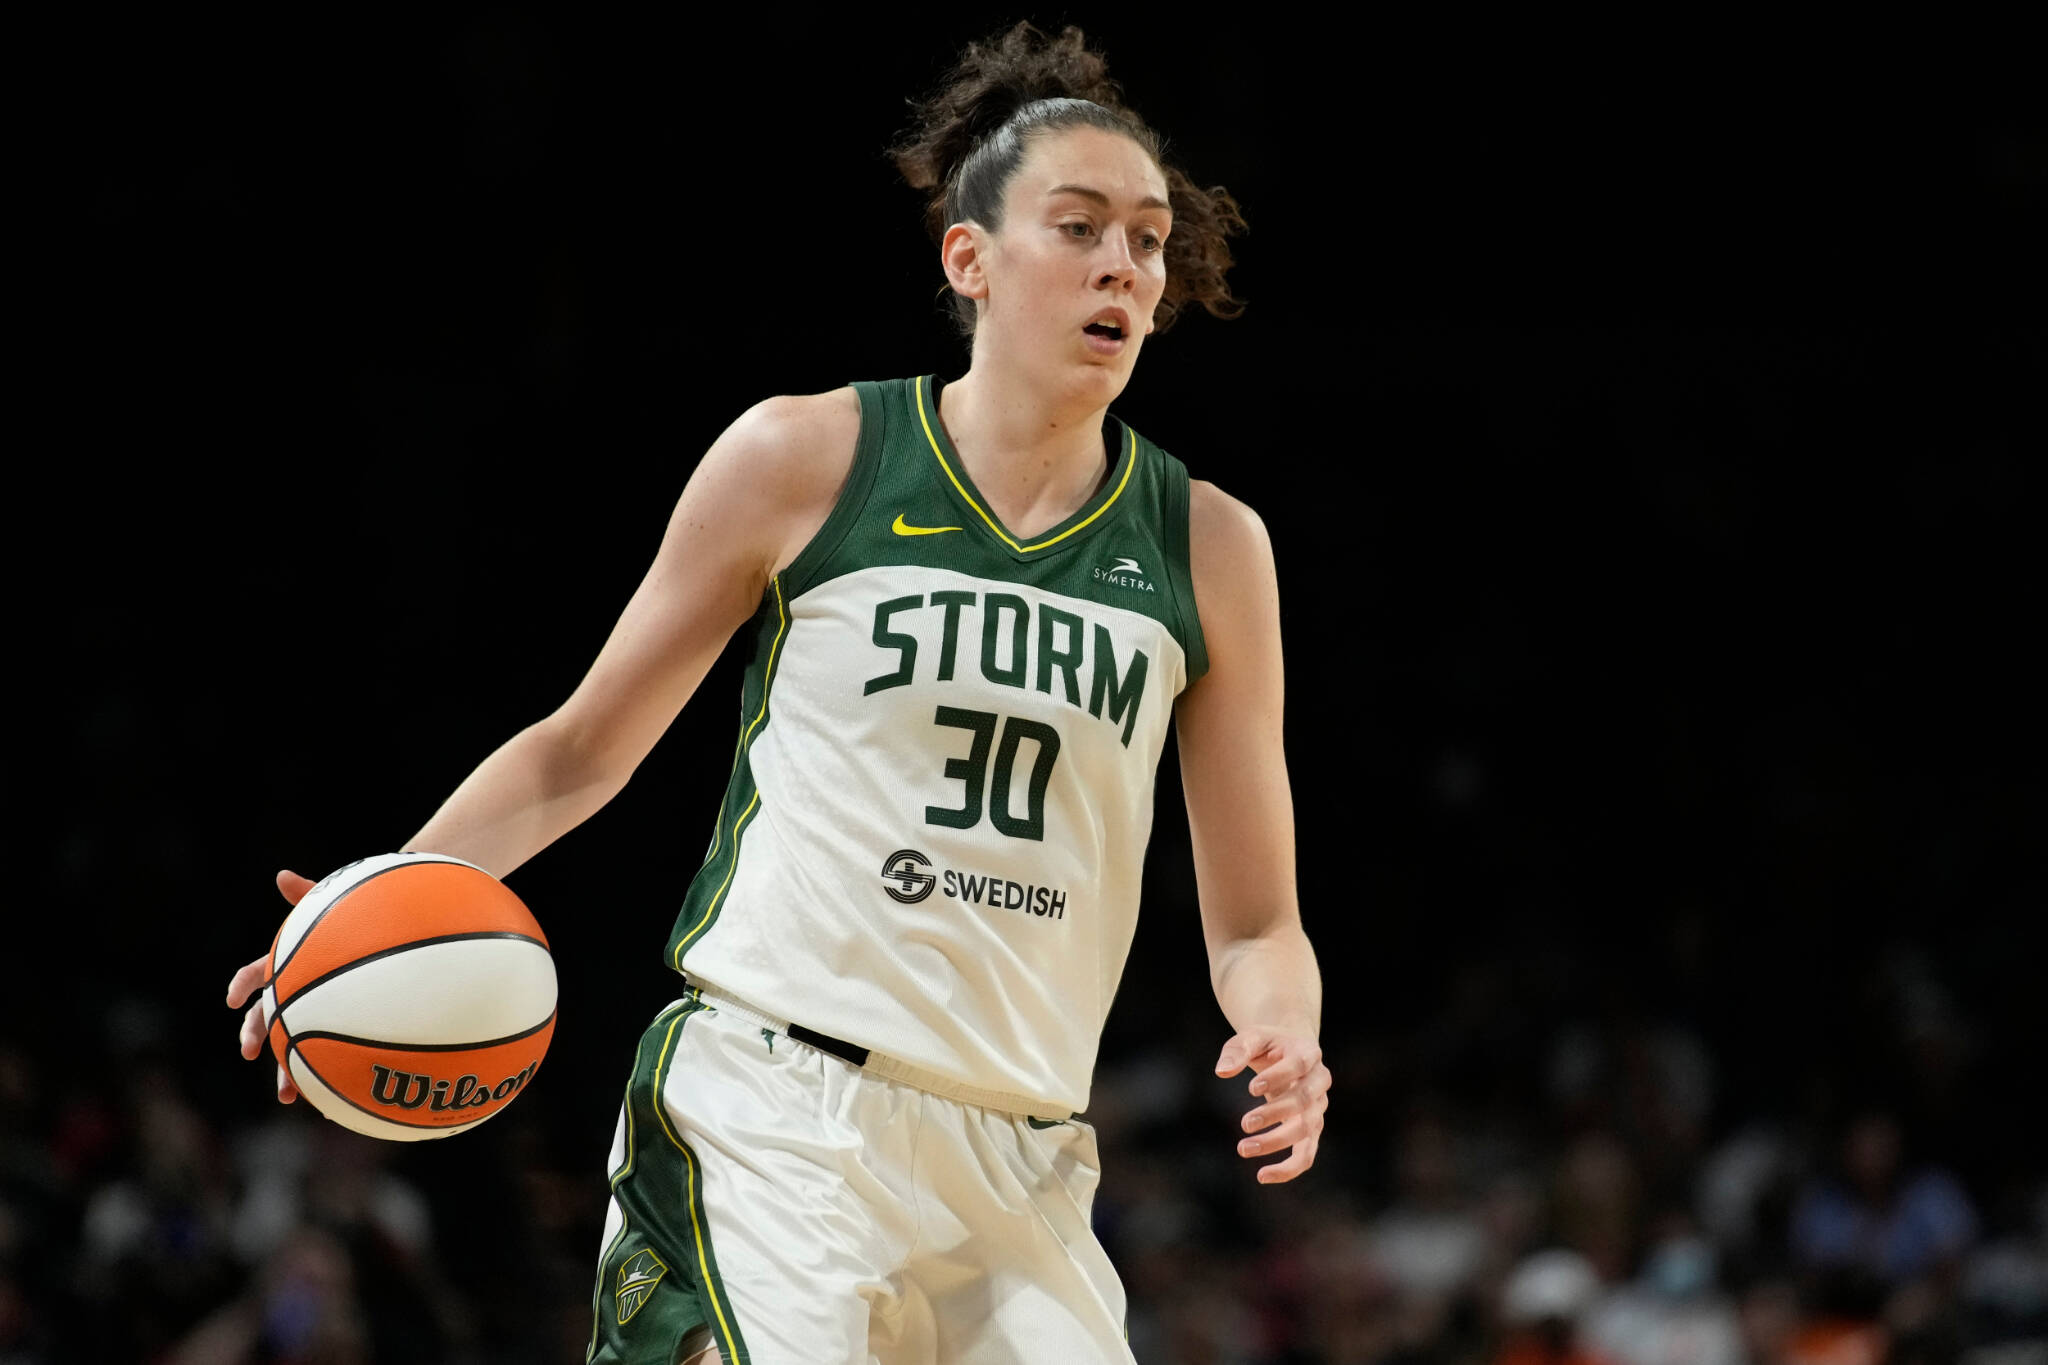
(1177, 498)
(741, 782)
(956, 474)
(853, 499)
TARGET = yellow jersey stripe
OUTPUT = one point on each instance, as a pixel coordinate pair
(1130, 463)
(719, 895)
(767, 682)
(718, 827)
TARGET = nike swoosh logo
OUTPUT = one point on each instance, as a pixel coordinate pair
(902, 528)
(1044, 1123)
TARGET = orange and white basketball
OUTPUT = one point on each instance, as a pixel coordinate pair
(411, 996)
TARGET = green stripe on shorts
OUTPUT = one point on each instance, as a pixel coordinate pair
(658, 1278)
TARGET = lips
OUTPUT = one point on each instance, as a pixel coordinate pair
(1108, 324)
(1106, 332)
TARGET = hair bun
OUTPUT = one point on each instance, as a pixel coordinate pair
(992, 80)
(957, 152)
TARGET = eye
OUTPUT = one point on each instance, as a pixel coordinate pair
(1151, 241)
(1077, 229)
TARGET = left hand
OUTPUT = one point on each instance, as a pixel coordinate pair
(1294, 1086)
(248, 985)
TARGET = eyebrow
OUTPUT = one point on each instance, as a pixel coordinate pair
(1150, 201)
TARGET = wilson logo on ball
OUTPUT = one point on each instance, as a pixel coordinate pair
(410, 1089)
(400, 962)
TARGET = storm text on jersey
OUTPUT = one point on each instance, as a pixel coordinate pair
(1019, 649)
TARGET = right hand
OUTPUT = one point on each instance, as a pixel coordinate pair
(249, 982)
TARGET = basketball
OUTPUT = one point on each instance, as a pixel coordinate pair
(411, 996)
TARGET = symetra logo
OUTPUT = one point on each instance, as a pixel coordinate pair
(1125, 573)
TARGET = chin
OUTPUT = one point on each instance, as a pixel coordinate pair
(1102, 382)
(1114, 370)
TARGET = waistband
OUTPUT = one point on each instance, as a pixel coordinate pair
(877, 1063)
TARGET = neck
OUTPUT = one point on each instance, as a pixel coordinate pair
(1036, 458)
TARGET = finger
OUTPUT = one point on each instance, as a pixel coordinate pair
(1282, 1171)
(253, 1030)
(1311, 1096)
(286, 1091)
(1289, 1068)
(1237, 1054)
(293, 887)
(1288, 1134)
(248, 981)
(1309, 1090)
(1276, 1110)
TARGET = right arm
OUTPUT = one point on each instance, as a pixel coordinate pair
(759, 495)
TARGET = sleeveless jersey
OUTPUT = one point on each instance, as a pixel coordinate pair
(931, 842)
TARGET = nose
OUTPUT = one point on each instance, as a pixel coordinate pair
(1117, 268)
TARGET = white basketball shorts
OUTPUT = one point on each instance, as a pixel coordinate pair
(795, 1209)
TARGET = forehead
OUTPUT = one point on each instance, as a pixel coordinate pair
(1091, 157)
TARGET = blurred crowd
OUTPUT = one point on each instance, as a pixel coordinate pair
(1496, 1189)
(1510, 1184)
(1488, 1246)
(135, 1227)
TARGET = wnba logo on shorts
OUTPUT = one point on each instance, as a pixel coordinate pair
(904, 867)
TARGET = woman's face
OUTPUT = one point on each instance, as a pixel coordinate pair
(1074, 275)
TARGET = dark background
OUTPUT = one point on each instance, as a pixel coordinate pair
(1647, 442)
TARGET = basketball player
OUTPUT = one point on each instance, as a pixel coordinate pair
(976, 606)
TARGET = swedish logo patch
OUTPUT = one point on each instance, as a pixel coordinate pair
(637, 1278)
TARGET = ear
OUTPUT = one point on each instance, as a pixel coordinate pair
(961, 254)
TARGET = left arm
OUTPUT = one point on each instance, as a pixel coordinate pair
(1241, 820)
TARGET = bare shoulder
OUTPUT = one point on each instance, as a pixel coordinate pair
(1229, 550)
(803, 443)
(778, 469)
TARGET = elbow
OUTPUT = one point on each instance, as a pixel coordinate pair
(571, 764)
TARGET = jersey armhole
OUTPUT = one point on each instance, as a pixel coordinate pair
(853, 498)
(1179, 569)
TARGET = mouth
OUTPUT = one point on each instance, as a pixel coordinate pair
(1108, 330)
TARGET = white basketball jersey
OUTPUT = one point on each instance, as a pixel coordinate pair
(932, 839)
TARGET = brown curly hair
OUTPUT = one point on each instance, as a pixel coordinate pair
(970, 135)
